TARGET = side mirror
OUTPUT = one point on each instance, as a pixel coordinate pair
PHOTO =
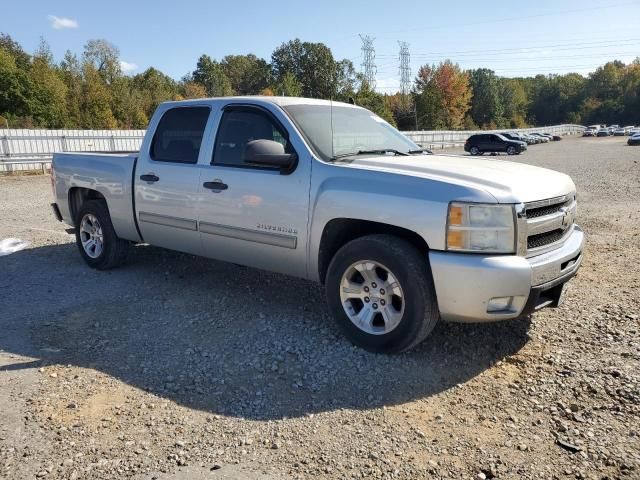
(268, 153)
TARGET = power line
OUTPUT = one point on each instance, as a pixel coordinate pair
(523, 50)
(368, 60)
(519, 18)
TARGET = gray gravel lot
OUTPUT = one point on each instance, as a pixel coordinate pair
(180, 367)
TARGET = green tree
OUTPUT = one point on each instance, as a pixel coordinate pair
(312, 64)
(247, 74)
(514, 101)
(210, 74)
(48, 93)
(14, 91)
(104, 57)
(153, 87)
(71, 72)
(96, 100)
(21, 58)
(289, 86)
(370, 99)
(486, 104)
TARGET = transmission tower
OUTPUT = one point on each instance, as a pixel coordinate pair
(368, 60)
(405, 69)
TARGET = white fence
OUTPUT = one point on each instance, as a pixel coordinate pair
(438, 139)
(33, 149)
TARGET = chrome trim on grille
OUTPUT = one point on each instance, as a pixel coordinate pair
(550, 201)
(562, 219)
(553, 221)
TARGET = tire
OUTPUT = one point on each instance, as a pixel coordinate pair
(411, 307)
(474, 150)
(93, 223)
(511, 150)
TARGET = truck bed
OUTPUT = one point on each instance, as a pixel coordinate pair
(110, 174)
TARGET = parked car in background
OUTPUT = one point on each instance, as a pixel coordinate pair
(633, 131)
(589, 132)
(627, 129)
(399, 239)
(531, 140)
(634, 140)
(493, 143)
(514, 136)
(542, 138)
(603, 132)
(619, 132)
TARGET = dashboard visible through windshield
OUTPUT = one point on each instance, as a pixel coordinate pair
(341, 131)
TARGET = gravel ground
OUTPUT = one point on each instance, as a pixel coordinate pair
(179, 367)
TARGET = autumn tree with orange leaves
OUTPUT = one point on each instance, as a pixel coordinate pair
(442, 96)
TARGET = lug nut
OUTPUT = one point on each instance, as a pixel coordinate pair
(366, 299)
(366, 289)
(375, 306)
(382, 291)
(374, 285)
(383, 303)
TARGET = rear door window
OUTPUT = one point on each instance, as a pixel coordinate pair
(179, 135)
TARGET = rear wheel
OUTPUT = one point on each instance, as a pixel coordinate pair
(380, 292)
(474, 150)
(96, 238)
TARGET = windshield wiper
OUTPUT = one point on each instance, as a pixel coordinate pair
(420, 150)
(379, 151)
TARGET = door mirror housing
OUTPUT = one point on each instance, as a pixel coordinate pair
(269, 153)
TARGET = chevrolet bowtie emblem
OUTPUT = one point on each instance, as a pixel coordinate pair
(567, 217)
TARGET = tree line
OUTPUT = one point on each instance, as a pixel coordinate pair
(91, 90)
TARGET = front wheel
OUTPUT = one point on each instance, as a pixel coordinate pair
(511, 150)
(96, 238)
(380, 291)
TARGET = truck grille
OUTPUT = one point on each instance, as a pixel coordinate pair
(542, 211)
(548, 223)
(542, 239)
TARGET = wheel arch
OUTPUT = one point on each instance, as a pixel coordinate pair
(339, 231)
(77, 196)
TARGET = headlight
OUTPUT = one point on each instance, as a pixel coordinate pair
(474, 227)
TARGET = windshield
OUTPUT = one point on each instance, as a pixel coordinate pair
(340, 131)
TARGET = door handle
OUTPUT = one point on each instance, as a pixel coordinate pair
(216, 185)
(149, 177)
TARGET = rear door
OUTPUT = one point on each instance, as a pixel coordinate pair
(484, 143)
(167, 179)
(256, 216)
(497, 144)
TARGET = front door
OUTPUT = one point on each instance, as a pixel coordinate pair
(254, 215)
(167, 180)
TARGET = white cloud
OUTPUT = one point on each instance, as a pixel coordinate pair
(387, 85)
(61, 22)
(128, 67)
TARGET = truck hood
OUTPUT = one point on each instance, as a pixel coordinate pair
(507, 181)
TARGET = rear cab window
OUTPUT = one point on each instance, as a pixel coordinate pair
(179, 133)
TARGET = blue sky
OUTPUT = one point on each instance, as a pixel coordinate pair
(514, 39)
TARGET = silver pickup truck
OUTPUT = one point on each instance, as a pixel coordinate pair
(331, 192)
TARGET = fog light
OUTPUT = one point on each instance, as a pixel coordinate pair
(499, 304)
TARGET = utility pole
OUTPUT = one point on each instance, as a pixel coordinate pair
(405, 81)
(405, 69)
(368, 60)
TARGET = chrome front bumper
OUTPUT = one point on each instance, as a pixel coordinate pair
(466, 283)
